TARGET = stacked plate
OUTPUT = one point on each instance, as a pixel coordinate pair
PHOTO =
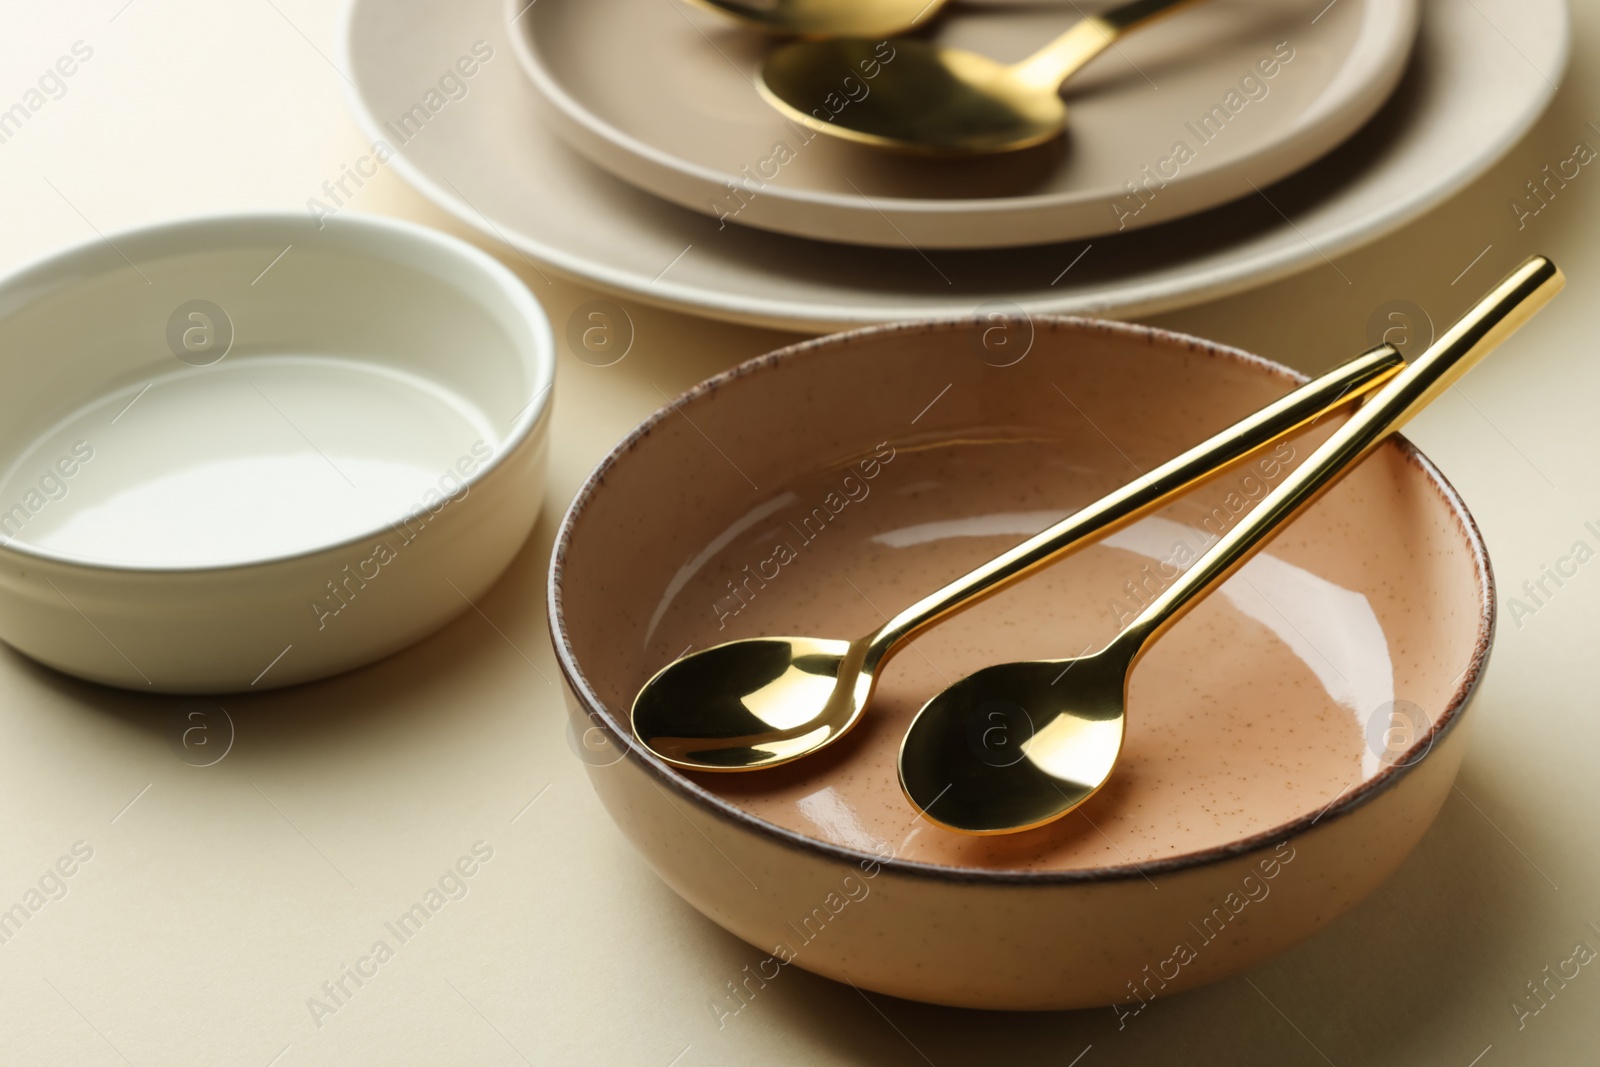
(1310, 128)
(625, 144)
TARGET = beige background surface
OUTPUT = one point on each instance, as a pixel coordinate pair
(219, 899)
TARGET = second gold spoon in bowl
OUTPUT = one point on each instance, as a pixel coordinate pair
(1064, 719)
(764, 701)
(927, 99)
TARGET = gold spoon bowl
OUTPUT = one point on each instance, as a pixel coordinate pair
(826, 18)
(927, 99)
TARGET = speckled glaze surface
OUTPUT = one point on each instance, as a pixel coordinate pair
(1288, 742)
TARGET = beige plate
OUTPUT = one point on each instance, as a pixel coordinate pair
(662, 95)
(491, 158)
(1288, 742)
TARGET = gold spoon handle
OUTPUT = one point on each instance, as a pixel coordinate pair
(1340, 385)
(1063, 57)
(1475, 335)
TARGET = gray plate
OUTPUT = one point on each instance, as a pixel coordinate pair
(482, 148)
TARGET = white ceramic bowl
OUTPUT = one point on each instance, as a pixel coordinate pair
(252, 450)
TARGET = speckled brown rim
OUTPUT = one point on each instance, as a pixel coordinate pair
(1342, 805)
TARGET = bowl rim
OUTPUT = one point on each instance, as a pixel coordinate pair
(216, 231)
(1346, 802)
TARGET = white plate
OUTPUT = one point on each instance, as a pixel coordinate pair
(245, 451)
(1197, 110)
(1481, 75)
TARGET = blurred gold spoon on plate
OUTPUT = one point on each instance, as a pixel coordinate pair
(1062, 721)
(827, 18)
(764, 701)
(914, 96)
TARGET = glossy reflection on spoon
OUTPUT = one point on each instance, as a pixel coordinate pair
(913, 96)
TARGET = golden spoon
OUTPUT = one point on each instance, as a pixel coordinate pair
(918, 97)
(827, 18)
(763, 701)
(1073, 712)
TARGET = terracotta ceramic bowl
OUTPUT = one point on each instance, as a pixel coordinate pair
(1288, 742)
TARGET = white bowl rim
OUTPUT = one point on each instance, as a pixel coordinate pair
(497, 274)
(1345, 803)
